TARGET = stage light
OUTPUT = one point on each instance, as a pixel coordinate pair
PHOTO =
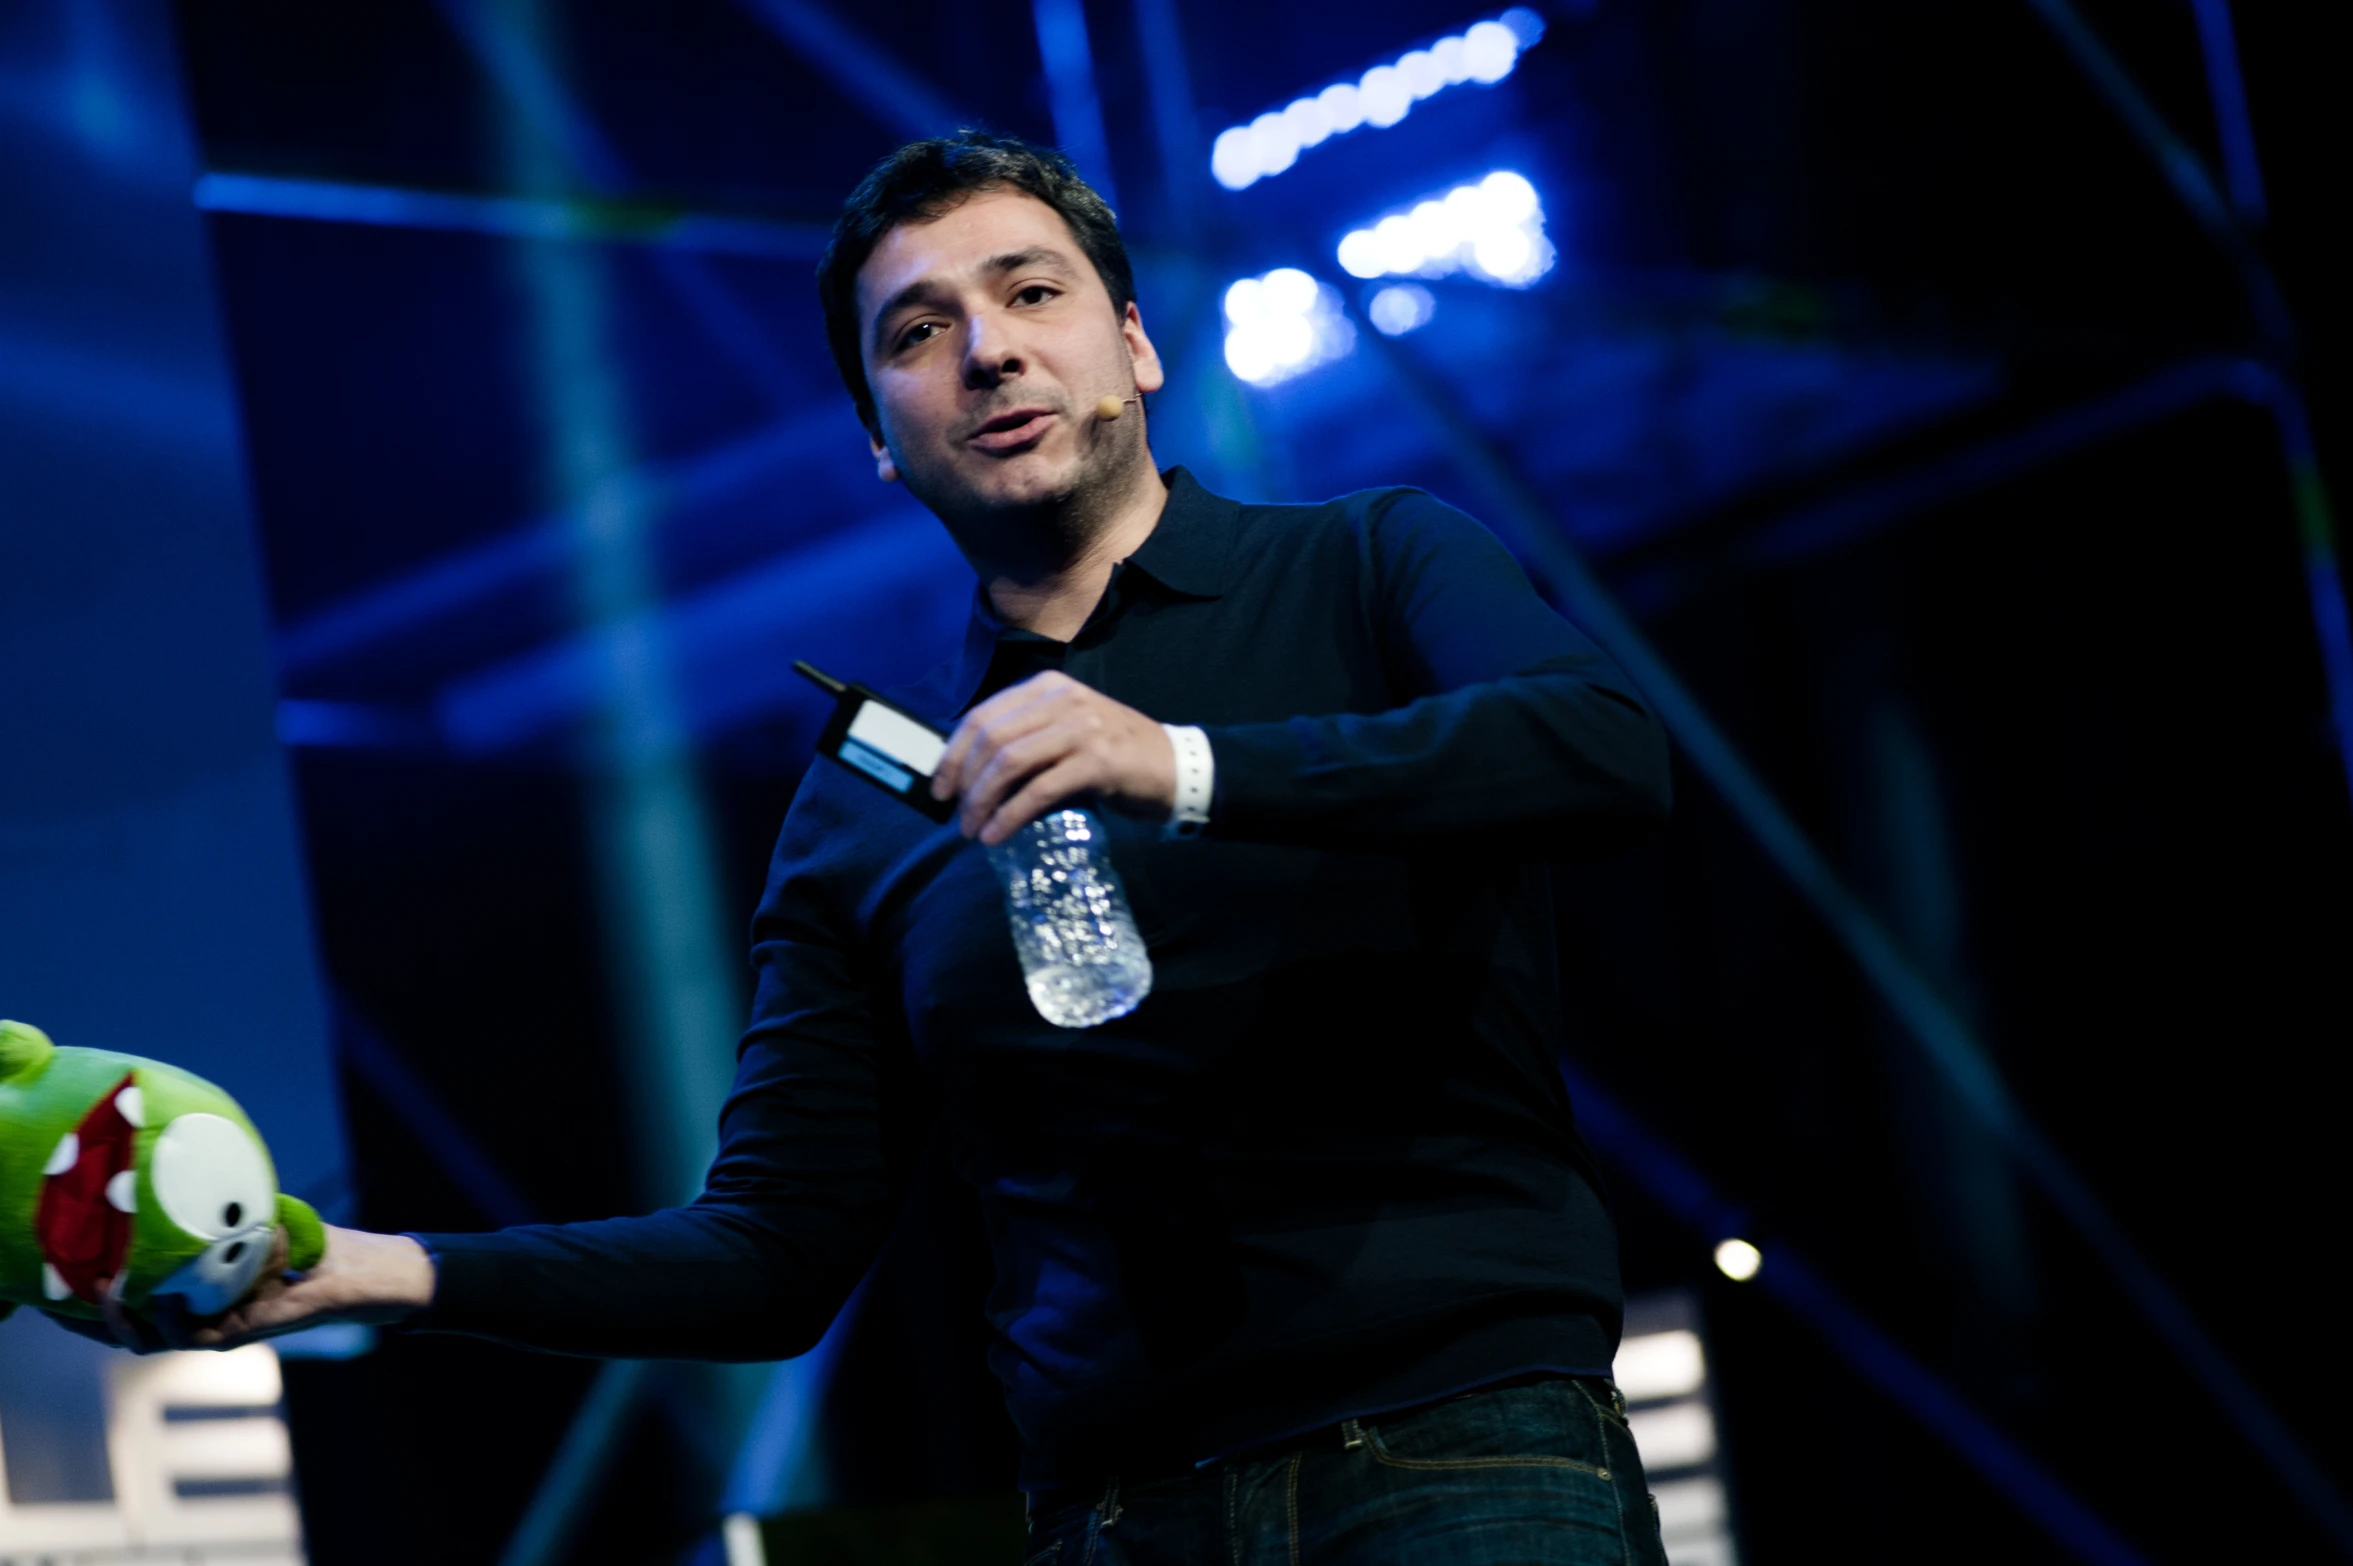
(1283, 324)
(1660, 1365)
(1401, 308)
(1385, 95)
(1738, 1260)
(1481, 55)
(1494, 230)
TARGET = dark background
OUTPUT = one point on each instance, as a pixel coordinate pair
(2065, 730)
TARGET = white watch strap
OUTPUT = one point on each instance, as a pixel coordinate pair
(1196, 780)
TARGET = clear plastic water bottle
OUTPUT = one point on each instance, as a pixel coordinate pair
(1079, 949)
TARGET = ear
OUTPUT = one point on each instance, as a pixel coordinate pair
(24, 1049)
(884, 468)
(1143, 358)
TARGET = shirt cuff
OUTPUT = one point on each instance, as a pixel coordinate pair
(1196, 780)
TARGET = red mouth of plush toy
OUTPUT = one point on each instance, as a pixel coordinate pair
(83, 1235)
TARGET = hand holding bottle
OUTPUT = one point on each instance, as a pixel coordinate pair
(1047, 742)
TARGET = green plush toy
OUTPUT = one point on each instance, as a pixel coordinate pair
(113, 1167)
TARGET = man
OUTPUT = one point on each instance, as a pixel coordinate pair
(1303, 1260)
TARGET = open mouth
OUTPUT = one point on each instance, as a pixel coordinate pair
(1012, 430)
(83, 1225)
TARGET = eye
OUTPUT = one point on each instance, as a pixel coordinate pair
(920, 332)
(211, 1176)
(1036, 293)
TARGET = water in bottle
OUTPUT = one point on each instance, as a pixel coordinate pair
(1077, 939)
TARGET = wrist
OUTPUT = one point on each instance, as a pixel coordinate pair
(1196, 780)
(420, 1274)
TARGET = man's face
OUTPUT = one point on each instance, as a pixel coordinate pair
(988, 340)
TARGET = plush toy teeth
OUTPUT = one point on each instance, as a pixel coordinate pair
(53, 1283)
(131, 1104)
(123, 1191)
(69, 1153)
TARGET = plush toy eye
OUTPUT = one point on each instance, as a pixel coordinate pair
(211, 1176)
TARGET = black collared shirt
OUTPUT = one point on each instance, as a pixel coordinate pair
(1327, 1167)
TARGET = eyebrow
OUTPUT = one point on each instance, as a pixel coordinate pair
(1040, 257)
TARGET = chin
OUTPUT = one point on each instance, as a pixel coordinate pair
(1031, 479)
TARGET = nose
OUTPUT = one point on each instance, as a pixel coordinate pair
(990, 353)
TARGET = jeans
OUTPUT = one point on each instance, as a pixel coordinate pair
(1542, 1473)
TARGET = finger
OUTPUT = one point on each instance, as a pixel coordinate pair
(1055, 786)
(993, 722)
(1013, 766)
(118, 1320)
(172, 1321)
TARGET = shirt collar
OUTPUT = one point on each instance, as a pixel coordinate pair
(1189, 552)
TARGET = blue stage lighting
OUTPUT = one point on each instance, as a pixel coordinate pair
(1401, 308)
(1482, 54)
(1283, 324)
(1493, 230)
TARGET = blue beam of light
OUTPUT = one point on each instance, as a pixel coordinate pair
(508, 216)
(1070, 89)
(2316, 524)
(893, 95)
(2219, 43)
(1481, 55)
(781, 1466)
(376, 1062)
(565, 1489)
(1168, 86)
(1678, 1186)
(729, 647)
(1853, 511)
(411, 602)
(505, 41)
(1949, 1043)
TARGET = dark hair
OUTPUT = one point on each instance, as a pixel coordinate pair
(925, 179)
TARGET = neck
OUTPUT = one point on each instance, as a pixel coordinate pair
(1050, 573)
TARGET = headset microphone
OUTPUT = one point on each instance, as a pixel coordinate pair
(1110, 408)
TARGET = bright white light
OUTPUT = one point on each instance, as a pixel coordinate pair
(1282, 324)
(1398, 309)
(1422, 73)
(1512, 198)
(1399, 249)
(1660, 1364)
(1483, 54)
(1491, 50)
(1234, 160)
(1308, 121)
(1434, 233)
(1681, 1435)
(1340, 101)
(1287, 291)
(1290, 339)
(1454, 60)
(1505, 254)
(1385, 94)
(1247, 357)
(1276, 149)
(1738, 1260)
(1493, 229)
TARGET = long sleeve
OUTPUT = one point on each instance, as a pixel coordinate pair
(1514, 727)
(796, 1204)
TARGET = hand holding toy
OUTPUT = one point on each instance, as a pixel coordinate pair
(128, 1180)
